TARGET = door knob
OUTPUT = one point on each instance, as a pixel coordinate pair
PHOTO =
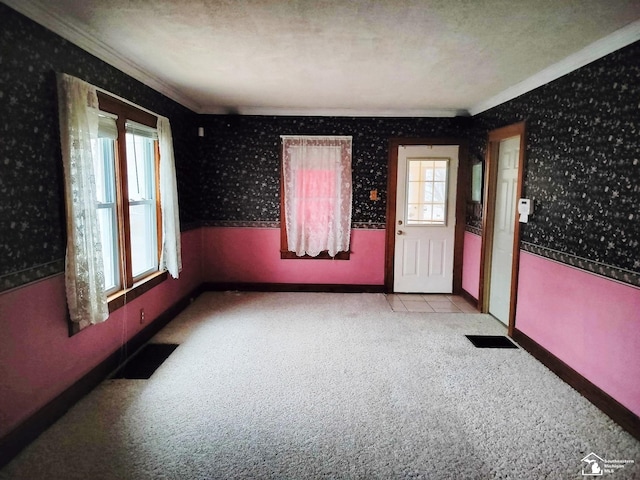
(400, 232)
(399, 222)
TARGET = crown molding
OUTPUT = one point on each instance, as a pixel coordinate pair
(45, 14)
(598, 49)
(337, 112)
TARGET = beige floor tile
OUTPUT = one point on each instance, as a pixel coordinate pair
(444, 307)
(459, 300)
(397, 305)
(456, 298)
(467, 308)
(434, 297)
(419, 306)
(428, 303)
(411, 297)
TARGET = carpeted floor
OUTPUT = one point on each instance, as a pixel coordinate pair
(335, 386)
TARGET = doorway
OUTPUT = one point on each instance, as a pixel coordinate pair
(501, 227)
(426, 194)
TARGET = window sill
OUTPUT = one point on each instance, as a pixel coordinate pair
(121, 298)
(286, 255)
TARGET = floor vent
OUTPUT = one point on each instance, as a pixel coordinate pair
(146, 361)
(491, 341)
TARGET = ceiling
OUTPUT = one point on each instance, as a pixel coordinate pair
(342, 57)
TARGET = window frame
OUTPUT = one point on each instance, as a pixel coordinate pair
(152, 202)
(421, 201)
(131, 287)
(285, 253)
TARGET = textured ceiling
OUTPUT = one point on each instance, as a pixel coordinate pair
(404, 57)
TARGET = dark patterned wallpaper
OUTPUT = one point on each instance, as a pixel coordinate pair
(583, 163)
(241, 161)
(31, 191)
(583, 167)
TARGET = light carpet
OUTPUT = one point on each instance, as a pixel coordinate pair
(335, 386)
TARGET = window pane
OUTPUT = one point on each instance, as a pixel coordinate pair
(441, 173)
(427, 171)
(427, 212)
(427, 198)
(141, 182)
(412, 213)
(103, 167)
(414, 171)
(439, 192)
(109, 238)
(144, 252)
(414, 192)
(104, 174)
(438, 214)
(428, 192)
(140, 167)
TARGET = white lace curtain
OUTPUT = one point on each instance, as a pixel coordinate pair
(84, 271)
(171, 256)
(317, 193)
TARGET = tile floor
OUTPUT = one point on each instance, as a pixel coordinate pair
(415, 302)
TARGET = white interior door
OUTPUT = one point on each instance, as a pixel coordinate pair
(503, 229)
(425, 218)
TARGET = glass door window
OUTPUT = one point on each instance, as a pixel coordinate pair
(427, 181)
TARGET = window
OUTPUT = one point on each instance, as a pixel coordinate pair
(126, 166)
(143, 207)
(427, 196)
(316, 197)
(123, 225)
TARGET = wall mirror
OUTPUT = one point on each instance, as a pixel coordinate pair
(476, 180)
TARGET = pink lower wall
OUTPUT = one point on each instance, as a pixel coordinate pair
(589, 322)
(471, 264)
(252, 255)
(38, 359)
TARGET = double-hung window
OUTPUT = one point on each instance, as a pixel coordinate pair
(123, 225)
(142, 187)
(126, 166)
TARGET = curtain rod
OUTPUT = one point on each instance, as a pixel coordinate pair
(113, 95)
(128, 102)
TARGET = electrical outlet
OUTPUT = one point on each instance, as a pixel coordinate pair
(141, 316)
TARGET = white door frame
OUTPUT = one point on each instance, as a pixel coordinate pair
(488, 218)
(461, 198)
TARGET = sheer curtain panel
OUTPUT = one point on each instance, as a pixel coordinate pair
(317, 194)
(84, 270)
(171, 254)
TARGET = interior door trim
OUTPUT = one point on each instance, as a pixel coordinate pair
(461, 199)
(488, 217)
